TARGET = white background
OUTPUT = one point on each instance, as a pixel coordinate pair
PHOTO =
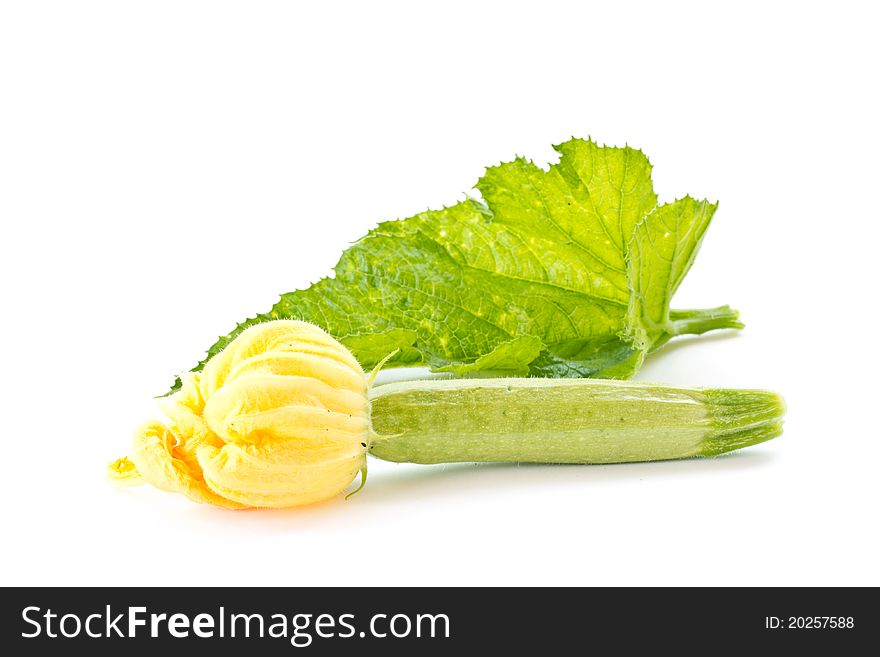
(167, 168)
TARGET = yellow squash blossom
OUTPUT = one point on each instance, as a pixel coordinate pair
(279, 418)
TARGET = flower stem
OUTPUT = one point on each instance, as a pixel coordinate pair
(565, 421)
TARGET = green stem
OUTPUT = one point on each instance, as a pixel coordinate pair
(696, 322)
(565, 421)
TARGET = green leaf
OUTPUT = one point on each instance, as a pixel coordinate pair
(563, 272)
(660, 254)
